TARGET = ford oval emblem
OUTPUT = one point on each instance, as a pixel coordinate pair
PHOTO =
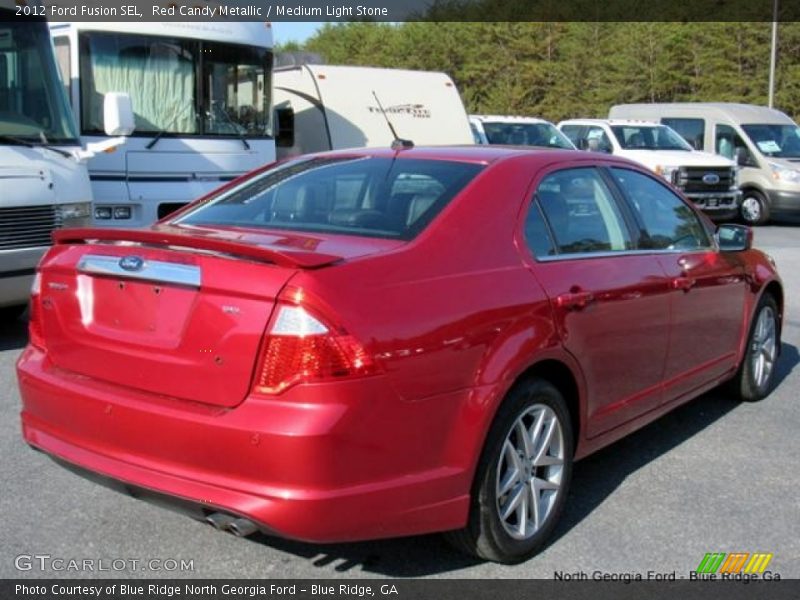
(710, 178)
(131, 263)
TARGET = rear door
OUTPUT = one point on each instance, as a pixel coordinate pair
(611, 304)
(708, 288)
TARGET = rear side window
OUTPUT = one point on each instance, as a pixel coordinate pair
(581, 213)
(670, 224)
(376, 197)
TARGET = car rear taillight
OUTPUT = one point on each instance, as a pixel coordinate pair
(35, 332)
(300, 348)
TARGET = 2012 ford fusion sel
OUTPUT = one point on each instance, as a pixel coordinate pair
(379, 343)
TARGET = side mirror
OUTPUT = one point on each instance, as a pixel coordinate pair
(743, 157)
(734, 238)
(117, 114)
(284, 127)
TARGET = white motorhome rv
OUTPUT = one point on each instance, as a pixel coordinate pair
(43, 176)
(763, 141)
(325, 107)
(201, 95)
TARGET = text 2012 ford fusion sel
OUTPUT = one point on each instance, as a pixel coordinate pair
(379, 343)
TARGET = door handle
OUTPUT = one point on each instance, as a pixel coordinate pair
(683, 283)
(574, 300)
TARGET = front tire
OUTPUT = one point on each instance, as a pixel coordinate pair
(756, 374)
(755, 208)
(523, 476)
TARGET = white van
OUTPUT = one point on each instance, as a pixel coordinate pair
(708, 180)
(765, 143)
(44, 184)
(202, 100)
(325, 107)
(517, 131)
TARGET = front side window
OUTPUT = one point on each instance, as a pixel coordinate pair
(727, 142)
(643, 137)
(33, 105)
(177, 86)
(692, 130)
(597, 140)
(581, 213)
(573, 133)
(368, 196)
(779, 141)
(669, 223)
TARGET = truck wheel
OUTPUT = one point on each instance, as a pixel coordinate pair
(755, 208)
(522, 478)
(756, 374)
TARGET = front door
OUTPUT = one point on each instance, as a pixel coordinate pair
(708, 294)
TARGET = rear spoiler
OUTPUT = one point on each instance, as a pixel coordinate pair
(281, 256)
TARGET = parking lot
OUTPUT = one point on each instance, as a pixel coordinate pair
(713, 476)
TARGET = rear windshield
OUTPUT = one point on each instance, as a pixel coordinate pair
(376, 197)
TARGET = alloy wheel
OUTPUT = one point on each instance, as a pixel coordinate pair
(763, 347)
(529, 471)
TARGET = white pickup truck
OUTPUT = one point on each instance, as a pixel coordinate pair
(709, 180)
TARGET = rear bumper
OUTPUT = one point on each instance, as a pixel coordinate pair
(326, 463)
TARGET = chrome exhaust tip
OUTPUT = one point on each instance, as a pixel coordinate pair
(243, 527)
(220, 521)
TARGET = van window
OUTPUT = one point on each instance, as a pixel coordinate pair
(692, 130)
(780, 141)
(727, 142)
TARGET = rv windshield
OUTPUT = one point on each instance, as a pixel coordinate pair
(178, 86)
(526, 134)
(649, 137)
(33, 106)
(780, 141)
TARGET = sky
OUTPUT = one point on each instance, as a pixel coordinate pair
(299, 32)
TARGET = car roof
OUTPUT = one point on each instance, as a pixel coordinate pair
(507, 119)
(745, 113)
(478, 153)
(637, 122)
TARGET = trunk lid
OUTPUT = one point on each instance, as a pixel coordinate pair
(175, 312)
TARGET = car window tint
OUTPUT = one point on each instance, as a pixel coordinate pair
(371, 196)
(536, 234)
(582, 213)
(597, 140)
(670, 224)
(727, 142)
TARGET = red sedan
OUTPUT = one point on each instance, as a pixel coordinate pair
(380, 343)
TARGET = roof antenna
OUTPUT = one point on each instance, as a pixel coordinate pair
(398, 143)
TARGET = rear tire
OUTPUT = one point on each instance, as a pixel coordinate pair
(756, 375)
(755, 208)
(520, 487)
